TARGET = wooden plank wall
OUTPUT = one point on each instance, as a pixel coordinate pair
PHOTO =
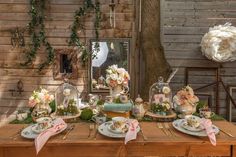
(184, 22)
(14, 13)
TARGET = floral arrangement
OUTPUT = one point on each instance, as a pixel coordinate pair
(161, 108)
(185, 97)
(219, 44)
(41, 96)
(116, 76)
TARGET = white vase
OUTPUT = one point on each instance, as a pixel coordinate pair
(185, 110)
(115, 91)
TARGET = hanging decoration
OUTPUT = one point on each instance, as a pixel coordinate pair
(37, 34)
(112, 14)
(219, 44)
(17, 38)
(78, 26)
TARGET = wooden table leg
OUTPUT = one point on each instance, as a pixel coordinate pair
(1, 152)
(233, 151)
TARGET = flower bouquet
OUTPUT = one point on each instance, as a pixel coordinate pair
(185, 101)
(116, 79)
(39, 101)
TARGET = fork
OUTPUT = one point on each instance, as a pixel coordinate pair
(144, 137)
(95, 134)
(68, 131)
(91, 127)
(166, 125)
(162, 128)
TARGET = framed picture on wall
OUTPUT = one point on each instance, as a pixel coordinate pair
(230, 107)
(206, 98)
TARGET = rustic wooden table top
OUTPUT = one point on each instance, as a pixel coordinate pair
(155, 135)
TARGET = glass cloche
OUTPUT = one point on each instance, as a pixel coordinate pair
(160, 97)
(66, 100)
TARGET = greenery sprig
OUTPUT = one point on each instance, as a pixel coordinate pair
(37, 34)
(77, 25)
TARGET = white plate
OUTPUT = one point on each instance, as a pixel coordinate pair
(185, 125)
(177, 125)
(29, 134)
(103, 129)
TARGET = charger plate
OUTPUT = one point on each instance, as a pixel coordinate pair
(30, 134)
(177, 125)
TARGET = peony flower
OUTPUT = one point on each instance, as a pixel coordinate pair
(185, 97)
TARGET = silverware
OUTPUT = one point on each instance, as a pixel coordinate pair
(96, 132)
(68, 131)
(227, 133)
(159, 125)
(91, 127)
(166, 125)
(144, 137)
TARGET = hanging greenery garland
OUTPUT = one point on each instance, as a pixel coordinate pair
(77, 25)
(37, 34)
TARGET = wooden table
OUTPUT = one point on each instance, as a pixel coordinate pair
(158, 144)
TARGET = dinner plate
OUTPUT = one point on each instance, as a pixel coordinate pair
(177, 125)
(30, 134)
(104, 130)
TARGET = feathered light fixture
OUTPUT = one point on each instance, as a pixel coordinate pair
(219, 44)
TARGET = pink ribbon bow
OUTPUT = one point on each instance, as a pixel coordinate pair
(43, 137)
(207, 125)
(132, 133)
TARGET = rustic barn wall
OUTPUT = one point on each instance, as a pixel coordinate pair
(184, 22)
(14, 13)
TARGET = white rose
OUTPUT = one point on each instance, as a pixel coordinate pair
(109, 71)
(66, 92)
(51, 97)
(31, 98)
(41, 97)
(114, 76)
(44, 91)
(166, 90)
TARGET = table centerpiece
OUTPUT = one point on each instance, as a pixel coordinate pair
(185, 102)
(117, 79)
(39, 103)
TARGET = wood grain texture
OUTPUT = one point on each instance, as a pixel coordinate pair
(153, 61)
(158, 144)
(184, 24)
(59, 17)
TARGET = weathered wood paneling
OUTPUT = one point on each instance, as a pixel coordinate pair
(14, 13)
(184, 24)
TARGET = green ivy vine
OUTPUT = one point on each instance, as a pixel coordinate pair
(37, 34)
(77, 25)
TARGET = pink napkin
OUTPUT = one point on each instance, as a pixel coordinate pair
(207, 124)
(132, 133)
(42, 138)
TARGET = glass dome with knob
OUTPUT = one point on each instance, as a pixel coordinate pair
(66, 97)
(160, 97)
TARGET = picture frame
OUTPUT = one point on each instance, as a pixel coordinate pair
(231, 90)
(60, 68)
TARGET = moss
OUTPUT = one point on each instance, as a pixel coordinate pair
(86, 114)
